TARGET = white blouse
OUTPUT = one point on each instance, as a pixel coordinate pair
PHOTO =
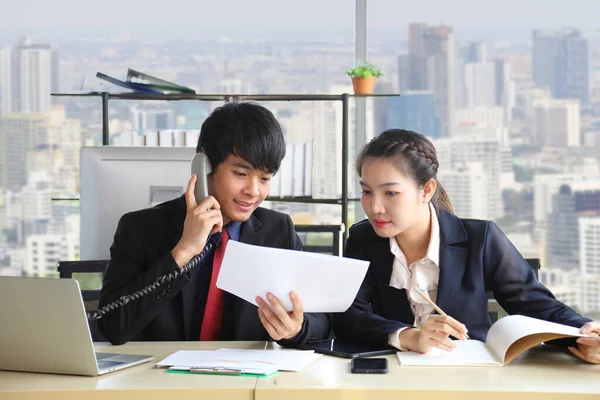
(423, 273)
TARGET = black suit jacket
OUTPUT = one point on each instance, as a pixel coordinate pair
(141, 253)
(475, 257)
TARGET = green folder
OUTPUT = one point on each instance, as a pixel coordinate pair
(179, 371)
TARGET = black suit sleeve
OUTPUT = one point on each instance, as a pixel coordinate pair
(316, 325)
(126, 273)
(359, 322)
(515, 286)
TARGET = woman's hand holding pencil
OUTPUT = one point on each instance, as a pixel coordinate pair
(435, 332)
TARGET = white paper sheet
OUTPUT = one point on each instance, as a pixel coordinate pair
(248, 360)
(285, 360)
(324, 283)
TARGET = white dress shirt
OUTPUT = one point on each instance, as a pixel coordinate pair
(423, 273)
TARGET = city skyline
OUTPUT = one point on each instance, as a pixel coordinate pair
(504, 143)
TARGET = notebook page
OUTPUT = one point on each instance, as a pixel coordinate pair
(468, 353)
(508, 330)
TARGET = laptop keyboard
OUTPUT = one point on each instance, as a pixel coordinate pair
(107, 364)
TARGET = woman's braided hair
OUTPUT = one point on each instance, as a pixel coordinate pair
(416, 157)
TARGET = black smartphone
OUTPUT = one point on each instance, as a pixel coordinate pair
(369, 366)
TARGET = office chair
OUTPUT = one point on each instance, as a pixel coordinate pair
(335, 230)
(66, 269)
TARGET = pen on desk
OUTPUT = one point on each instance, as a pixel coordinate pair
(217, 370)
(436, 308)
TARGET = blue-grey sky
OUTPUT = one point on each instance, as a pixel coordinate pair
(291, 19)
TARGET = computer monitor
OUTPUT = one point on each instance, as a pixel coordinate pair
(117, 180)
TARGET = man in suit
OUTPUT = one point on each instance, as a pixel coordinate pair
(244, 144)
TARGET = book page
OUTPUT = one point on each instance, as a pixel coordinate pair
(512, 335)
(468, 353)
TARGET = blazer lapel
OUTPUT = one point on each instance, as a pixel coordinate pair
(249, 232)
(394, 302)
(383, 261)
(453, 259)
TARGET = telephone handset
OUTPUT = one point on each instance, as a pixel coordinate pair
(201, 167)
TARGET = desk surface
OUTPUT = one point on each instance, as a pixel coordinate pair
(542, 373)
(141, 381)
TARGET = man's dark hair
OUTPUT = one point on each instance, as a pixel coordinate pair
(244, 129)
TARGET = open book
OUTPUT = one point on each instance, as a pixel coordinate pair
(507, 338)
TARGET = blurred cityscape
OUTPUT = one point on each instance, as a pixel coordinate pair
(516, 124)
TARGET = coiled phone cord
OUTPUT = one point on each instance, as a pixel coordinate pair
(151, 287)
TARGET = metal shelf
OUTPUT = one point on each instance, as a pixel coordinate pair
(344, 98)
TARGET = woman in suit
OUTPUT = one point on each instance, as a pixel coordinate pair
(413, 240)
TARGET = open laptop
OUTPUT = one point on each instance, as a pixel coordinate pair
(44, 328)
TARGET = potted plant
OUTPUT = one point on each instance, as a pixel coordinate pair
(364, 75)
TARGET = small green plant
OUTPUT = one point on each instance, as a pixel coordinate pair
(364, 69)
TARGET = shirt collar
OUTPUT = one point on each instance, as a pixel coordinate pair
(234, 228)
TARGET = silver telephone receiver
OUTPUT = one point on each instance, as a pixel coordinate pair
(201, 167)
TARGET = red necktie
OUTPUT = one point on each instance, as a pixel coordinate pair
(213, 312)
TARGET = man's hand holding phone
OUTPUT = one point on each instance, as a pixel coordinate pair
(201, 220)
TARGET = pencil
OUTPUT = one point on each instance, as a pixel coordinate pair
(436, 308)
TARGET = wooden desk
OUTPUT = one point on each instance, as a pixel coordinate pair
(542, 373)
(139, 382)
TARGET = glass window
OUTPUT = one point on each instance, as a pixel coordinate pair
(509, 96)
(262, 47)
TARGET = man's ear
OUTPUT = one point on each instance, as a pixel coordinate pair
(429, 190)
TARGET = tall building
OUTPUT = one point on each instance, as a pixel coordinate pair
(560, 63)
(587, 196)
(480, 84)
(18, 135)
(562, 236)
(545, 186)
(454, 152)
(480, 116)
(526, 100)
(5, 81)
(589, 231)
(505, 87)
(557, 123)
(414, 111)
(474, 52)
(152, 118)
(45, 251)
(466, 186)
(470, 53)
(430, 65)
(32, 70)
